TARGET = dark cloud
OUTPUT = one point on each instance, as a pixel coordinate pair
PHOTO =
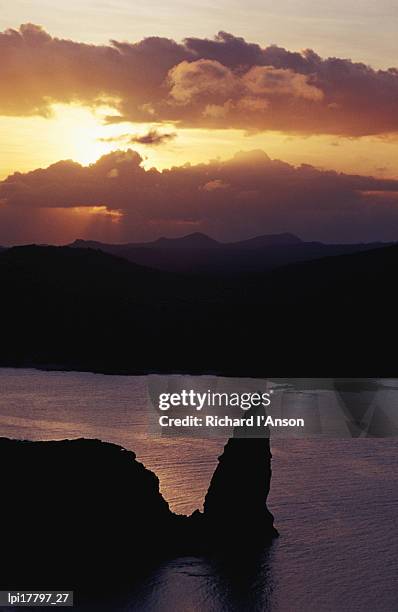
(153, 138)
(220, 83)
(115, 199)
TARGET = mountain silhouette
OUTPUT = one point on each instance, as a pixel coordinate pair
(204, 255)
(85, 309)
(259, 242)
(196, 240)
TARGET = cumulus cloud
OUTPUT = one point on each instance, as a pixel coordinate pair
(283, 81)
(190, 81)
(116, 199)
(220, 83)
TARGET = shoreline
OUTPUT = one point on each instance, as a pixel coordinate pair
(227, 373)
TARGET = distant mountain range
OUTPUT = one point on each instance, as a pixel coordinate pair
(86, 309)
(197, 240)
(204, 255)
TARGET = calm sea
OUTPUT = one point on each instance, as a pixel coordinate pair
(335, 502)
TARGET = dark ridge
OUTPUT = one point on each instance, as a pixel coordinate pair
(205, 256)
(196, 240)
(84, 309)
(259, 242)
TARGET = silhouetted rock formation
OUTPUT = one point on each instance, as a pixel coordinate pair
(86, 514)
(73, 509)
(236, 501)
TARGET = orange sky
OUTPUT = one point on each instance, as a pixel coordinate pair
(72, 94)
(75, 132)
(215, 95)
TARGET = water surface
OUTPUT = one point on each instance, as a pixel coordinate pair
(335, 502)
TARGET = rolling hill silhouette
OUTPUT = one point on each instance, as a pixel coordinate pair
(197, 240)
(89, 310)
(204, 255)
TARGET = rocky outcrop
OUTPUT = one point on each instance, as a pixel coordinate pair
(236, 501)
(86, 513)
(73, 510)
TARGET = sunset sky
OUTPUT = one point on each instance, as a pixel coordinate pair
(171, 83)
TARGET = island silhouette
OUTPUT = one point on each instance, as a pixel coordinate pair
(86, 515)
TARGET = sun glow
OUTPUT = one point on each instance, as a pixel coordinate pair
(72, 132)
(81, 134)
(101, 210)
